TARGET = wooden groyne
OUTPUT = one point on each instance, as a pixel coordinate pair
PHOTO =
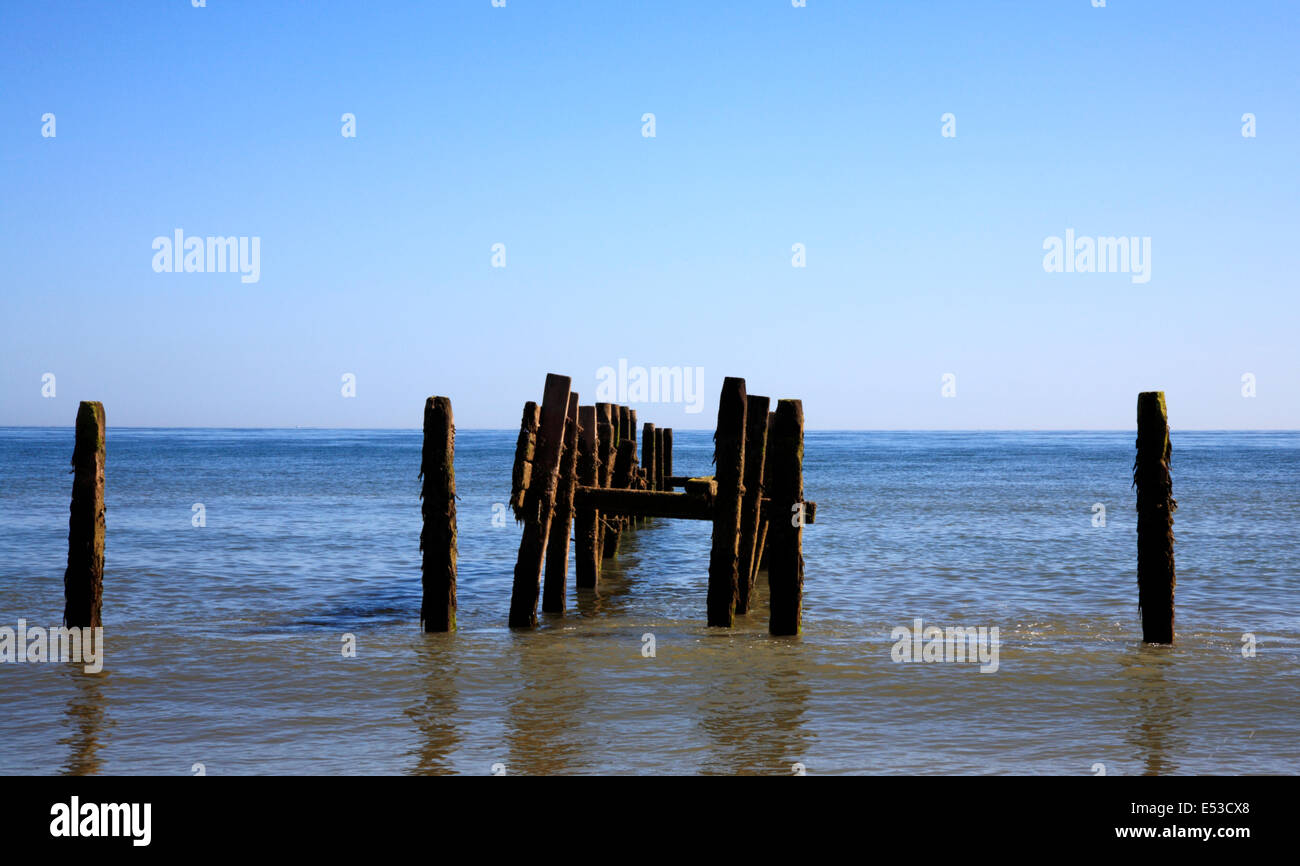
(613, 491)
(576, 468)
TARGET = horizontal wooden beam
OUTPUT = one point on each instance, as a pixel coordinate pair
(645, 503)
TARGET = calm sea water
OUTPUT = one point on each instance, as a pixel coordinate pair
(224, 642)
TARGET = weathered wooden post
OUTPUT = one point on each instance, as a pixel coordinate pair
(605, 442)
(660, 480)
(760, 560)
(785, 519)
(755, 456)
(607, 439)
(539, 502)
(1155, 519)
(557, 546)
(586, 535)
(438, 507)
(525, 448)
(729, 471)
(631, 425)
(624, 467)
(668, 455)
(83, 581)
(648, 462)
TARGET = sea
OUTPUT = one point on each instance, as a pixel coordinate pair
(282, 635)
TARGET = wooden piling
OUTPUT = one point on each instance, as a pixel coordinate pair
(1155, 519)
(607, 435)
(624, 470)
(586, 534)
(648, 461)
(604, 443)
(668, 455)
(83, 581)
(785, 533)
(525, 447)
(659, 459)
(755, 456)
(760, 560)
(438, 508)
(557, 545)
(539, 502)
(729, 460)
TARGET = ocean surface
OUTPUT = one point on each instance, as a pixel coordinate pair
(224, 642)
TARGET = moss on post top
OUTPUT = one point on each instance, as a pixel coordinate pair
(1151, 410)
(90, 425)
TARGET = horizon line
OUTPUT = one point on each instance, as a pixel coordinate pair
(691, 429)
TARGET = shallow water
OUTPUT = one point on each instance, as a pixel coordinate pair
(223, 642)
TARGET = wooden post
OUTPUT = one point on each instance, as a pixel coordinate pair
(668, 455)
(760, 561)
(586, 535)
(539, 503)
(729, 472)
(605, 442)
(755, 455)
(607, 434)
(648, 461)
(438, 507)
(525, 448)
(557, 545)
(631, 425)
(1155, 520)
(659, 459)
(624, 468)
(83, 582)
(785, 517)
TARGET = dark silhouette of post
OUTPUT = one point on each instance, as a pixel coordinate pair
(648, 460)
(83, 582)
(438, 506)
(1155, 519)
(760, 559)
(755, 456)
(525, 448)
(539, 502)
(660, 480)
(624, 471)
(729, 471)
(785, 519)
(586, 535)
(668, 455)
(557, 547)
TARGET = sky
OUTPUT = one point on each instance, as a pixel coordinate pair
(923, 301)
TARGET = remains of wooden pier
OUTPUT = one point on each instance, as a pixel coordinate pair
(579, 464)
(576, 467)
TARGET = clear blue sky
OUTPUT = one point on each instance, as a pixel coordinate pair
(774, 126)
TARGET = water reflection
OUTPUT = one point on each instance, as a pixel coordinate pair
(435, 717)
(85, 723)
(543, 733)
(756, 725)
(1158, 703)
